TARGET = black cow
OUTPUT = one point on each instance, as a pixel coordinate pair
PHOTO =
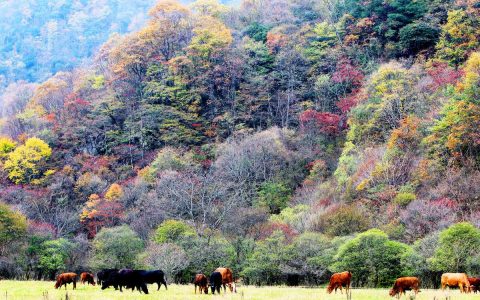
(215, 282)
(128, 278)
(151, 277)
(104, 274)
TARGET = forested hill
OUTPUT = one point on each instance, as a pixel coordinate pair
(286, 139)
(38, 38)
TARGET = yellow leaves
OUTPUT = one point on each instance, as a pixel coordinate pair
(24, 163)
(210, 35)
(406, 135)
(209, 8)
(7, 145)
(114, 192)
(165, 7)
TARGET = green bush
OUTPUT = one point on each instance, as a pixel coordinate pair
(172, 231)
(403, 199)
(375, 260)
(116, 247)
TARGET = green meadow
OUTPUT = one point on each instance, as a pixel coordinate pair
(29, 290)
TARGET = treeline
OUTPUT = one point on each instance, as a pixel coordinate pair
(284, 139)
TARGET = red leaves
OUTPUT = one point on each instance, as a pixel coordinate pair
(327, 123)
(443, 75)
(348, 102)
(347, 73)
(287, 230)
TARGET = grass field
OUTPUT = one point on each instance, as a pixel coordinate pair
(27, 290)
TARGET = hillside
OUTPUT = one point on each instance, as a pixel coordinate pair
(287, 139)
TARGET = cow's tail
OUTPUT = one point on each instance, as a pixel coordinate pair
(165, 281)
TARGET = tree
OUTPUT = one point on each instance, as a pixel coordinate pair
(264, 266)
(375, 259)
(7, 145)
(116, 247)
(26, 163)
(167, 257)
(458, 38)
(13, 228)
(101, 212)
(55, 256)
(458, 249)
(455, 133)
(273, 196)
(172, 231)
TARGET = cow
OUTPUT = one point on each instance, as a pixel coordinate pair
(128, 278)
(151, 277)
(65, 278)
(403, 284)
(338, 280)
(215, 282)
(104, 274)
(227, 279)
(474, 284)
(88, 278)
(201, 281)
(456, 279)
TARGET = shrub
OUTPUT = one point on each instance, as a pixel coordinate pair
(116, 247)
(171, 231)
(403, 199)
(458, 248)
(375, 260)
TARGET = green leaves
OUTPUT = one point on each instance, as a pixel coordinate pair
(457, 249)
(375, 260)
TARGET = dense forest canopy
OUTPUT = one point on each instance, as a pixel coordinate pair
(287, 139)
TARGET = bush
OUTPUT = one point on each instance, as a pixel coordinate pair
(375, 260)
(116, 247)
(403, 199)
(343, 220)
(171, 231)
(458, 249)
(273, 196)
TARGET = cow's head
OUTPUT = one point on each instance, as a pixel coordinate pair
(105, 284)
(329, 289)
(393, 292)
(205, 289)
(57, 284)
(212, 287)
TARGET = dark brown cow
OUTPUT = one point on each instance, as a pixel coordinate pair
(474, 284)
(403, 284)
(454, 280)
(202, 282)
(88, 278)
(227, 279)
(338, 280)
(65, 278)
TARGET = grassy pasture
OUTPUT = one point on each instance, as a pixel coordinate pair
(38, 290)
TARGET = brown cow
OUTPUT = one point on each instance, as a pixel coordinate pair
(65, 278)
(456, 279)
(88, 278)
(227, 279)
(474, 284)
(338, 280)
(403, 284)
(202, 282)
